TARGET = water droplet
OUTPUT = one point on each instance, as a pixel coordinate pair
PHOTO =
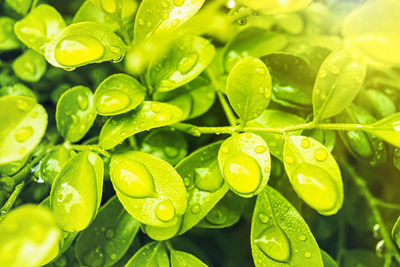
(133, 179)
(305, 143)
(22, 105)
(75, 119)
(209, 179)
(315, 186)
(163, 117)
(195, 208)
(113, 256)
(242, 173)
(274, 243)
(302, 237)
(380, 249)
(34, 115)
(110, 233)
(261, 90)
(175, 23)
(323, 73)
(335, 69)
(112, 101)
(248, 135)
(141, 21)
(186, 181)
(307, 254)
(83, 102)
(155, 107)
(263, 218)
(320, 154)
(260, 149)
(242, 21)
(23, 133)
(225, 149)
(165, 210)
(165, 15)
(179, 2)
(289, 159)
(76, 50)
(381, 146)
(187, 63)
(164, 4)
(376, 231)
(94, 257)
(261, 71)
(22, 150)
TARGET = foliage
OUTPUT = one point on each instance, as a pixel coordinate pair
(134, 133)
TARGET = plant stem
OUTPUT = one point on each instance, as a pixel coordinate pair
(94, 148)
(124, 32)
(387, 205)
(373, 205)
(13, 197)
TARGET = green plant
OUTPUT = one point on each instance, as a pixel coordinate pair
(275, 118)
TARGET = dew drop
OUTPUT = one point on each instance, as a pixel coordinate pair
(305, 143)
(320, 154)
(34, 115)
(171, 151)
(164, 4)
(110, 233)
(76, 50)
(175, 23)
(335, 69)
(112, 101)
(243, 174)
(155, 107)
(141, 21)
(323, 73)
(225, 149)
(209, 179)
(289, 159)
(23, 133)
(186, 181)
(83, 102)
(115, 50)
(260, 149)
(261, 71)
(261, 90)
(165, 15)
(179, 2)
(165, 210)
(133, 179)
(163, 117)
(248, 135)
(195, 208)
(263, 218)
(113, 256)
(22, 105)
(187, 63)
(307, 254)
(302, 237)
(274, 243)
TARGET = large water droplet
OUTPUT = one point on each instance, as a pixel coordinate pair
(112, 101)
(188, 63)
(165, 210)
(315, 186)
(274, 243)
(243, 174)
(94, 257)
(320, 154)
(305, 143)
(263, 218)
(83, 102)
(23, 133)
(133, 179)
(209, 179)
(78, 49)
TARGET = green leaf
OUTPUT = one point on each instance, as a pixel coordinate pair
(168, 145)
(224, 214)
(384, 23)
(339, 80)
(292, 80)
(84, 43)
(204, 183)
(149, 188)
(314, 174)
(245, 163)
(387, 128)
(153, 254)
(279, 235)
(117, 94)
(149, 115)
(17, 89)
(39, 27)
(30, 66)
(75, 113)
(23, 124)
(277, 6)
(165, 15)
(9, 40)
(276, 118)
(327, 259)
(249, 88)
(377, 103)
(108, 238)
(396, 232)
(182, 259)
(74, 196)
(53, 162)
(33, 241)
(252, 41)
(186, 59)
(360, 257)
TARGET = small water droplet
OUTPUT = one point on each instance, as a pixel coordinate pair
(242, 22)
(94, 257)
(186, 181)
(165, 15)
(164, 4)
(23, 133)
(225, 149)
(35, 115)
(305, 143)
(335, 69)
(260, 149)
(22, 105)
(115, 49)
(263, 218)
(195, 208)
(113, 256)
(163, 117)
(179, 2)
(165, 210)
(141, 22)
(274, 243)
(175, 23)
(261, 90)
(307, 254)
(261, 71)
(22, 150)
(110, 233)
(302, 237)
(320, 154)
(376, 231)
(155, 107)
(289, 159)
(323, 73)
(187, 63)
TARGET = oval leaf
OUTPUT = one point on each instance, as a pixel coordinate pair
(180, 259)
(84, 43)
(249, 88)
(339, 80)
(245, 163)
(117, 230)
(75, 113)
(152, 254)
(147, 116)
(314, 174)
(149, 188)
(274, 240)
(117, 94)
(30, 66)
(387, 128)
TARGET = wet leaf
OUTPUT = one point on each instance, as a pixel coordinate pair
(149, 115)
(9, 40)
(387, 128)
(181, 258)
(30, 66)
(53, 162)
(152, 254)
(279, 235)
